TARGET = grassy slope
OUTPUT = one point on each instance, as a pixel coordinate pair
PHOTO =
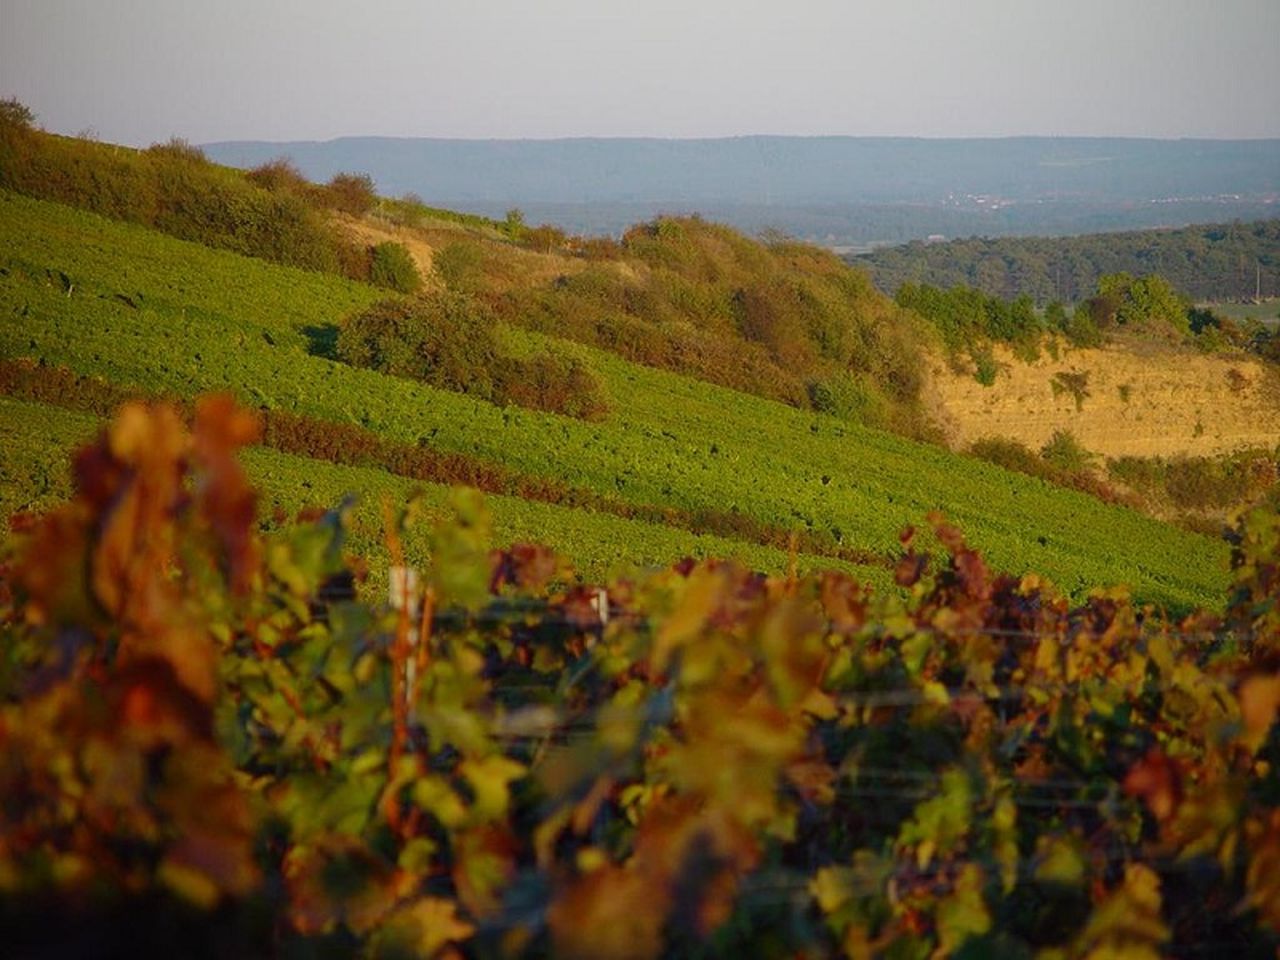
(208, 320)
(34, 475)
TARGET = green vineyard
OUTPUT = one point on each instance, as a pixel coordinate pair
(162, 315)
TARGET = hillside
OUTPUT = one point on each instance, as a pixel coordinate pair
(1124, 399)
(162, 315)
(1213, 262)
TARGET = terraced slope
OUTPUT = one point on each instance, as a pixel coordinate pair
(139, 308)
(34, 475)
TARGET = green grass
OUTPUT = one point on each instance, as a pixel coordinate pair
(209, 320)
(35, 476)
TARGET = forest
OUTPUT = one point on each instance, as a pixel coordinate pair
(1208, 263)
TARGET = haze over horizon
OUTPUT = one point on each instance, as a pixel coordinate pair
(492, 69)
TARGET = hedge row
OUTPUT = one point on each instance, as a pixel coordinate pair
(175, 189)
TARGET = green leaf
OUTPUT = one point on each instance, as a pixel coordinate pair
(963, 913)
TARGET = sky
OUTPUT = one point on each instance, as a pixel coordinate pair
(141, 71)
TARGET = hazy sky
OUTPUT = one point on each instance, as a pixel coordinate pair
(137, 71)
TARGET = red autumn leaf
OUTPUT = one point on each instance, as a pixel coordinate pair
(1154, 779)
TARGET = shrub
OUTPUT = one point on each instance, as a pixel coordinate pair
(1065, 453)
(459, 265)
(1147, 474)
(1202, 483)
(392, 266)
(770, 314)
(442, 338)
(513, 225)
(16, 114)
(1011, 455)
(985, 367)
(1074, 382)
(1148, 303)
(1084, 328)
(852, 397)
(170, 187)
(552, 382)
(280, 175)
(350, 193)
(177, 148)
(446, 339)
(355, 260)
(964, 315)
(544, 238)
(600, 248)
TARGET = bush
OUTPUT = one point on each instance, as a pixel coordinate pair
(1202, 483)
(985, 367)
(460, 265)
(177, 148)
(1012, 456)
(1145, 303)
(513, 225)
(853, 397)
(446, 339)
(552, 382)
(1064, 452)
(392, 266)
(350, 193)
(442, 338)
(1083, 329)
(16, 114)
(170, 187)
(544, 238)
(280, 176)
(1075, 383)
(964, 315)
(1147, 474)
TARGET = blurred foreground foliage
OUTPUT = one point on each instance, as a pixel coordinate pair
(204, 749)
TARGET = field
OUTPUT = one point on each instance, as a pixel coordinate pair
(145, 310)
(34, 476)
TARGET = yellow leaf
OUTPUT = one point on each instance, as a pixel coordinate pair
(490, 779)
(832, 887)
(701, 596)
(189, 883)
(422, 928)
(1259, 698)
(434, 795)
(935, 692)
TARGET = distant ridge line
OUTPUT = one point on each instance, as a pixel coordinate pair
(779, 174)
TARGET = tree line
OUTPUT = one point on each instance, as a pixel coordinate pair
(1213, 262)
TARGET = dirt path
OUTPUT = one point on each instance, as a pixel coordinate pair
(370, 232)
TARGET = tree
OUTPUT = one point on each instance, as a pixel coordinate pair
(15, 114)
(514, 225)
(351, 193)
(1143, 302)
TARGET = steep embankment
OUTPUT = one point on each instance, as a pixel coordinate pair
(1124, 399)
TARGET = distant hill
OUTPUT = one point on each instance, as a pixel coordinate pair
(1225, 261)
(844, 190)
